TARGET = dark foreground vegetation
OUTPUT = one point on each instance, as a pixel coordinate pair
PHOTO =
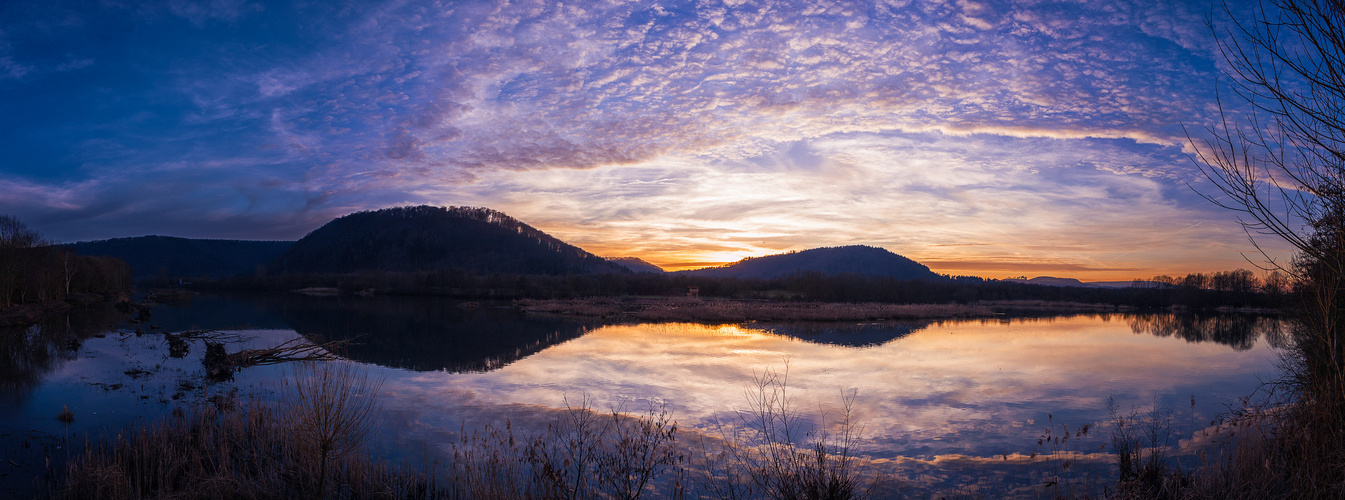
(1278, 167)
(37, 278)
(310, 446)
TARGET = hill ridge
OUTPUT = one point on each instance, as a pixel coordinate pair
(431, 238)
(846, 259)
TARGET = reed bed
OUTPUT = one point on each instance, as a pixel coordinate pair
(723, 310)
(208, 452)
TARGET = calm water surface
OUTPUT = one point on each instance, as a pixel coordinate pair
(944, 405)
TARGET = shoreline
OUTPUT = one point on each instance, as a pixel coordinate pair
(744, 310)
(31, 313)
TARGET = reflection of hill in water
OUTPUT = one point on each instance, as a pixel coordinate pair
(417, 333)
(845, 334)
(426, 333)
(1238, 331)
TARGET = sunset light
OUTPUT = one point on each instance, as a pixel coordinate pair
(985, 138)
(672, 249)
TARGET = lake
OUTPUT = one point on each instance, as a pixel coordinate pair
(944, 406)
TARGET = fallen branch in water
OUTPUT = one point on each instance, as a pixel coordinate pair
(221, 364)
(210, 336)
(296, 349)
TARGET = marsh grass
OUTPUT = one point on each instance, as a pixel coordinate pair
(582, 454)
(773, 452)
(66, 416)
(1070, 469)
(310, 446)
(207, 452)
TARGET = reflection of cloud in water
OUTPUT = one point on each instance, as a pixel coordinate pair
(976, 388)
(940, 404)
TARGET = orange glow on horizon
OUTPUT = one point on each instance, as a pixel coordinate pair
(968, 267)
(704, 249)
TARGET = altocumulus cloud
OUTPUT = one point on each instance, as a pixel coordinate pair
(702, 131)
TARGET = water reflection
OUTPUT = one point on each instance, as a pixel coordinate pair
(939, 400)
(428, 334)
(1239, 331)
(414, 333)
(845, 334)
(29, 353)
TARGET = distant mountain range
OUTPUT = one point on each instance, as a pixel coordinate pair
(427, 238)
(854, 259)
(1053, 281)
(169, 257)
(636, 264)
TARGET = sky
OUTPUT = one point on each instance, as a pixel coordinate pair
(991, 138)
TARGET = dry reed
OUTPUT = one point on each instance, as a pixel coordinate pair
(330, 406)
(209, 453)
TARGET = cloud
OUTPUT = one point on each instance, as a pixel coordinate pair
(199, 12)
(1105, 209)
(698, 132)
(10, 69)
(533, 85)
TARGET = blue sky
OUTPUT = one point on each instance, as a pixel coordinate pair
(988, 138)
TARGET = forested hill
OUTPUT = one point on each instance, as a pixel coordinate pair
(855, 259)
(636, 264)
(170, 257)
(426, 238)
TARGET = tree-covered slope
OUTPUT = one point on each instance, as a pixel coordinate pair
(636, 264)
(426, 238)
(170, 257)
(855, 259)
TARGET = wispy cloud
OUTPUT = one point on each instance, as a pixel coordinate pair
(686, 131)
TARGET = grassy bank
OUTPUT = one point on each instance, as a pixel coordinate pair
(726, 310)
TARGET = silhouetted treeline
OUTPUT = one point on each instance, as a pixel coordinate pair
(33, 271)
(811, 286)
